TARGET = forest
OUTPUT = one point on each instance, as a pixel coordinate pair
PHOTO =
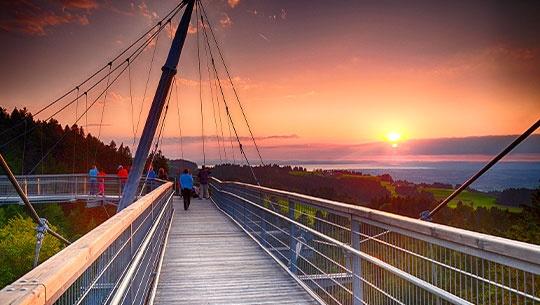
(45, 147)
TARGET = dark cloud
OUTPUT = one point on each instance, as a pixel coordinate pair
(36, 18)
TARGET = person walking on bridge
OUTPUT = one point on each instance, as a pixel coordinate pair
(186, 185)
(203, 175)
(92, 174)
(122, 175)
(151, 177)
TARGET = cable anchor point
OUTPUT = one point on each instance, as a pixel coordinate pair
(41, 229)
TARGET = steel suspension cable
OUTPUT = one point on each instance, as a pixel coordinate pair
(428, 214)
(24, 146)
(86, 128)
(214, 86)
(137, 51)
(76, 133)
(484, 169)
(159, 138)
(212, 100)
(86, 111)
(226, 106)
(168, 16)
(146, 87)
(33, 214)
(103, 112)
(131, 103)
(230, 79)
(179, 122)
(200, 86)
(214, 111)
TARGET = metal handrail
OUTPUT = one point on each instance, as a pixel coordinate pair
(49, 281)
(420, 283)
(338, 250)
(67, 187)
(525, 254)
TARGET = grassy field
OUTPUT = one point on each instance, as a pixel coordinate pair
(473, 199)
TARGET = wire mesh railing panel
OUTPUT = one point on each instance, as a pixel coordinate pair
(345, 257)
(99, 283)
(71, 187)
(476, 279)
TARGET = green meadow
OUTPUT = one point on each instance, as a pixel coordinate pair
(473, 199)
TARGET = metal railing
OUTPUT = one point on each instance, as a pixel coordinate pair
(66, 187)
(348, 254)
(115, 263)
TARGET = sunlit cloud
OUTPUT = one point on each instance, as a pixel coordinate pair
(81, 4)
(233, 3)
(144, 11)
(225, 21)
(31, 19)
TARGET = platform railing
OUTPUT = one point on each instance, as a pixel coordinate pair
(113, 264)
(65, 187)
(348, 254)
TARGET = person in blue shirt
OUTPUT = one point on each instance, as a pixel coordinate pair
(151, 178)
(186, 185)
(92, 174)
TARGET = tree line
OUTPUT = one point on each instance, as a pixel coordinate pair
(33, 146)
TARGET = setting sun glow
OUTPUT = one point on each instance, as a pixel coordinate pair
(393, 136)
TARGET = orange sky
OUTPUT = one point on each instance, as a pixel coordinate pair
(345, 74)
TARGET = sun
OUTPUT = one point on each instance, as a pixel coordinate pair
(393, 137)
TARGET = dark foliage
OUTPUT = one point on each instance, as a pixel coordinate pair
(71, 149)
(515, 197)
(343, 188)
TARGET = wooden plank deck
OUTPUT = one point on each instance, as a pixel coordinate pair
(209, 260)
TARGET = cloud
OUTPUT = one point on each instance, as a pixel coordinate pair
(81, 4)
(225, 21)
(144, 11)
(233, 3)
(283, 14)
(213, 139)
(171, 30)
(28, 18)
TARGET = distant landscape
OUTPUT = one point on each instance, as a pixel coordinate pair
(505, 202)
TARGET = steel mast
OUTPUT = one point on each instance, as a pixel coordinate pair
(152, 121)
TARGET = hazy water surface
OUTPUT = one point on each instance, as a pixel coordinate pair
(501, 176)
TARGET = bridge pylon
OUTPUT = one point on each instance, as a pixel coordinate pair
(152, 121)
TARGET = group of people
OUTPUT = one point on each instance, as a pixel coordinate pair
(151, 177)
(188, 189)
(96, 179)
(186, 185)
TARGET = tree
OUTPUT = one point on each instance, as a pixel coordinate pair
(17, 245)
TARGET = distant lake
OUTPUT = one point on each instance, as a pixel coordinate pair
(502, 176)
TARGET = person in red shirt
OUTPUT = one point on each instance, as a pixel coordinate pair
(101, 179)
(122, 175)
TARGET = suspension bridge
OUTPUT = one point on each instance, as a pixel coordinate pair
(247, 244)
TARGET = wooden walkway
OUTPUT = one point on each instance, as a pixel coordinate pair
(209, 260)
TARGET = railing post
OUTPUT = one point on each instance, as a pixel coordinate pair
(38, 187)
(358, 294)
(76, 186)
(292, 243)
(26, 186)
(264, 227)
